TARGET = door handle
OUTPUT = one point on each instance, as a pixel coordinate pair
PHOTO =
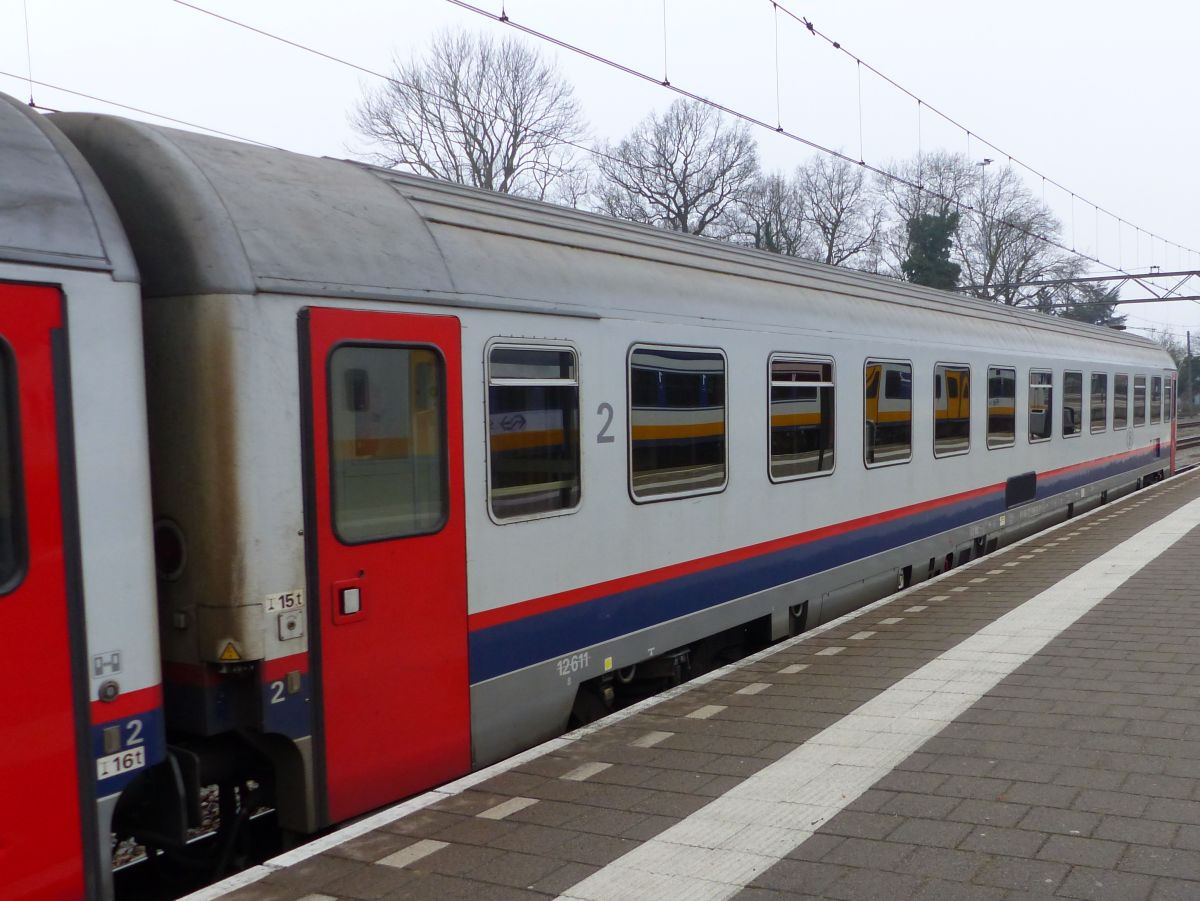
(346, 601)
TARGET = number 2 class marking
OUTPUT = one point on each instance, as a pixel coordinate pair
(603, 437)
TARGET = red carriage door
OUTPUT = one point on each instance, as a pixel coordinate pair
(389, 620)
(41, 844)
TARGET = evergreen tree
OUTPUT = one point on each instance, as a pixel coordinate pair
(1092, 302)
(928, 259)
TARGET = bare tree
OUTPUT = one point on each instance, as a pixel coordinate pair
(843, 213)
(476, 111)
(1168, 341)
(685, 170)
(934, 184)
(1005, 240)
(773, 216)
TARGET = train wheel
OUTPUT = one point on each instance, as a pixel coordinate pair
(589, 706)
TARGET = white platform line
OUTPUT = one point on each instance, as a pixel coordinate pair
(413, 853)
(650, 739)
(585, 771)
(753, 688)
(506, 808)
(721, 848)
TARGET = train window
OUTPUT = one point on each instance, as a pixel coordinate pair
(1041, 404)
(887, 412)
(801, 417)
(1072, 410)
(388, 441)
(1120, 401)
(1002, 406)
(676, 422)
(1139, 400)
(533, 431)
(1168, 401)
(951, 410)
(1099, 405)
(12, 519)
(1156, 399)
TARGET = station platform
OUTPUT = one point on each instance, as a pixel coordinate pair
(1026, 726)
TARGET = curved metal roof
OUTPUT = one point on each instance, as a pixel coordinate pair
(53, 210)
(207, 215)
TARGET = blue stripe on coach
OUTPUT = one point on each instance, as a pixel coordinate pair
(510, 646)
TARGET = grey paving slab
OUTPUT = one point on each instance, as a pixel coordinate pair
(1076, 775)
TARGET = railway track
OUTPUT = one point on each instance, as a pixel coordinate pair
(1188, 435)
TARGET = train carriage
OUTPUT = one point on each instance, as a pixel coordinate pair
(432, 469)
(82, 716)
(611, 386)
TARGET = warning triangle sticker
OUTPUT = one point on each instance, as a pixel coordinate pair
(229, 652)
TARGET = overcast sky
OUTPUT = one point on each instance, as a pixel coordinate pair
(1099, 96)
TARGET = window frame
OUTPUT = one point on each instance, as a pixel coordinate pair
(1128, 401)
(882, 388)
(1029, 406)
(507, 343)
(1156, 380)
(988, 400)
(9, 362)
(1092, 429)
(1063, 405)
(787, 356)
(443, 428)
(1144, 409)
(940, 365)
(688, 348)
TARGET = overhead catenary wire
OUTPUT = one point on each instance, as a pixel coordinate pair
(752, 120)
(666, 75)
(133, 109)
(759, 123)
(861, 154)
(839, 46)
(503, 18)
(383, 76)
(778, 95)
(28, 53)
